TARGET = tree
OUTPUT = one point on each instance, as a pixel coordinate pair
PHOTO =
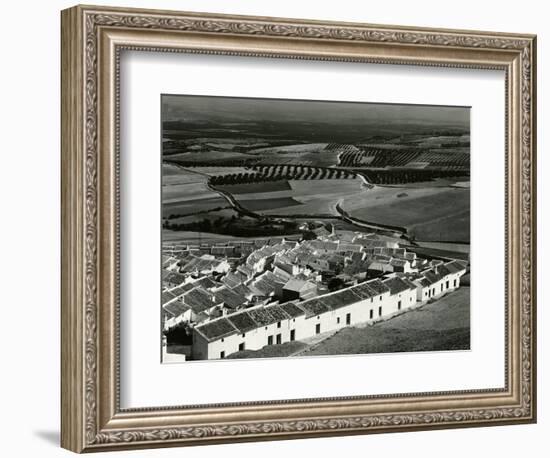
(335, 284)
(309, 235)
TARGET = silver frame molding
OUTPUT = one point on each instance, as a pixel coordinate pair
(92, 39)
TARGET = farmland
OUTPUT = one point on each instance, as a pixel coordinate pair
(406, 175)
(430, 213)
(179, 185)
(315, 197)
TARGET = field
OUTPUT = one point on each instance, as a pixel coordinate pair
(430, 214)
(313, 197)
(210, 156)
(455, 247)
(252, 188)
(194, 237)
(441, 325)
(185, 193)
(262, 205)
(222, 170)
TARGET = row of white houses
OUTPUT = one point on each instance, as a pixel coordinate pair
(256, 327)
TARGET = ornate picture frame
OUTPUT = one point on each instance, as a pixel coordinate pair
(92, 40)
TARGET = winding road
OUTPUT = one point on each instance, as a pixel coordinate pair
(342, 214)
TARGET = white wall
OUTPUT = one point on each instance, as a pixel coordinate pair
(29, 184)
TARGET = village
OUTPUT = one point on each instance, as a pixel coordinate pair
(228, 297)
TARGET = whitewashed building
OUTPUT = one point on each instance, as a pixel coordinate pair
(256, 327)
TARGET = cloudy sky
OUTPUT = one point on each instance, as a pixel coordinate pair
(228, 109)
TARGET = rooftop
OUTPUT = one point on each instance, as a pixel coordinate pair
(176, 308)
(397, 285)
(242, 321)
(199, 300)
(298, 285)
(216, 329)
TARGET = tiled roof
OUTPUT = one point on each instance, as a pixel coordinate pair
(261, 316)
(378, 286)
(281, 274)
(229, 297)
(216, 329)
(292, 310)
(277, 312)
(347, 297)
(174, 278)
(298, 285)
(182, 289)
(200, 264)
(396, 285)
(167, 296)
(242, 321)
(199, 300)
(314, 307)
(246, 270)
(206, 283)
(349, 247)
(243, 290)
(176, 308)
(455, 266)
(364, 291)
(232, 279)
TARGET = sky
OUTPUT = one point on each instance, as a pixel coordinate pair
(227, 109)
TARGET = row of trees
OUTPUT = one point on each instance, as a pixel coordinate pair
(264, 173)
(409, 176)
(236, 226)
(378, 158)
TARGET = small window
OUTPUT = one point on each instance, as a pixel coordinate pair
(318, 317)
(337, 320)
(318, 328)
(379, 311)
(380, 297)
(348, 318)
(398, 305)
(278, 324)
(222, 354)
(372, 299)
(294, 320)
(244, 334)
(266, 328)
(371, 314)
(222, 339)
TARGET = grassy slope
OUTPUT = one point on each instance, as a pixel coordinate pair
(272, 351)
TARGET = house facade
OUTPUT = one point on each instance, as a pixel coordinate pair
(258, 326)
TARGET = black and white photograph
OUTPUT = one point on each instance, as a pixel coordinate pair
(306, 228)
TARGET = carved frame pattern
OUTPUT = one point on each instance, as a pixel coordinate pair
(90, 21)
